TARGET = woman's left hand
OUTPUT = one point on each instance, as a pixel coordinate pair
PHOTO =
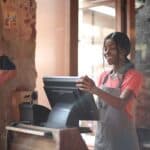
(86, 84)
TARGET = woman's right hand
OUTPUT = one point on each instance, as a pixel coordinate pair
(86, 84)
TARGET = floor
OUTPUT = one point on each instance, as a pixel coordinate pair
(89, 140)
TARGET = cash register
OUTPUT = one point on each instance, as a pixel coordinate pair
(69, 105)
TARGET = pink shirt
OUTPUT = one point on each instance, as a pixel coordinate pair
(132, 80)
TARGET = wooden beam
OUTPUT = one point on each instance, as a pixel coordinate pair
(120, 6)
(125, 21)
(131, 25)
(73, 37)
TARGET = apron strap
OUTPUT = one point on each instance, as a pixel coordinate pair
(122, 71)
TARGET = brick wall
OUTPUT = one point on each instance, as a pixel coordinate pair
(143, 63)
(17, 31)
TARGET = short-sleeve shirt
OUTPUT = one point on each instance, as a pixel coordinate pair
(132, 80)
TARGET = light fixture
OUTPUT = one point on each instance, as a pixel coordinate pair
(104, 9)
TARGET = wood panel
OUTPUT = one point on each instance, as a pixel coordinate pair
(125, 21)
(131, 25)
(120, 15)
(27, 137)
(73, 37)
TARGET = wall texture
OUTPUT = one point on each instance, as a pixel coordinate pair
(17, 33)
(143, 63)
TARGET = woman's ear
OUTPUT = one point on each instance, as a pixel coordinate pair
(124, 52)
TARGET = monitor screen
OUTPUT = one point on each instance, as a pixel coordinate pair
(62, 90)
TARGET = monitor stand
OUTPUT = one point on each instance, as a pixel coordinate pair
(63, 115)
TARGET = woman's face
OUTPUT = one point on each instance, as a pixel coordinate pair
(110, 52)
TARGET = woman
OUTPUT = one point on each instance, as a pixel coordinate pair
(117, 91)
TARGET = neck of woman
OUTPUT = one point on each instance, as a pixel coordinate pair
(117, 67)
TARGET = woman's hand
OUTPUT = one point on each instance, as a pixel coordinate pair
(86, 84)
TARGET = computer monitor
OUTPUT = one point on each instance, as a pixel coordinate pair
(68, 103)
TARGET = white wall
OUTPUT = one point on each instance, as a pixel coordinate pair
(52, 42)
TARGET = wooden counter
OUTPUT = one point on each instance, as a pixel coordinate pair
(29, 137)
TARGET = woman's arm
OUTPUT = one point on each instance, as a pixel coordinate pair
(87, 84)
(117, 102)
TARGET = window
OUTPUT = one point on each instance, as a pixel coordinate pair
(95, 20)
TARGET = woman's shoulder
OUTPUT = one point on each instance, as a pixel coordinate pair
(133, 80)
(102, 76)
(134, 74)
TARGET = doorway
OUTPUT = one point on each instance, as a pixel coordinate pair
(96, 19)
